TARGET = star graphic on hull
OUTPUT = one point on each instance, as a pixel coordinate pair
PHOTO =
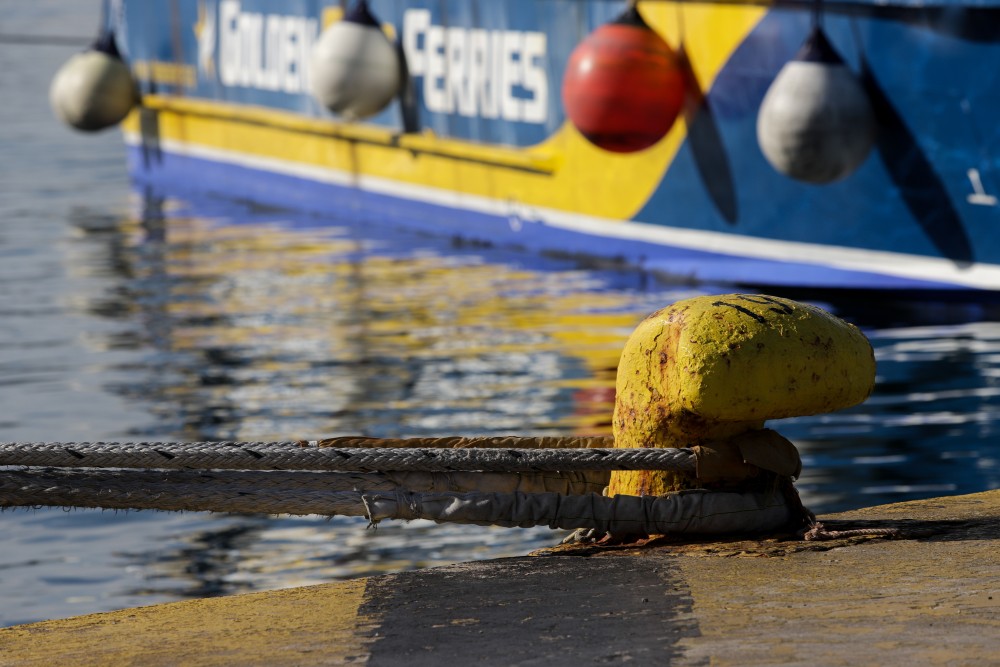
(204, 31)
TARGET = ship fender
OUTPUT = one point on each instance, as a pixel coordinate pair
(94, 89)
(623, 86)
(816, 123)
(355, 68)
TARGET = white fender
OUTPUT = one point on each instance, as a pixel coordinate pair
(355, 68)
(92, 90)
(816, 123)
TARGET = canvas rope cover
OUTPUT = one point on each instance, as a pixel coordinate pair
(463, 480)
(691, 512)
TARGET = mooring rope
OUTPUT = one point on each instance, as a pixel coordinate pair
(309, 456)
(817, 531)
(457, 442)
(45, 40)
(129, 480)
(687, 512)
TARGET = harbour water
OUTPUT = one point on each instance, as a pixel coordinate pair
(133, 316)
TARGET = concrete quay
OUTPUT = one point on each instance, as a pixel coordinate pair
(929, 597)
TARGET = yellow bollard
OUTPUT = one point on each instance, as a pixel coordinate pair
(707, 372)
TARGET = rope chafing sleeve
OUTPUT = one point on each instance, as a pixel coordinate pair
(306, 456)
(129, 480)
(690, 512)
(693, 512)
(566, 483)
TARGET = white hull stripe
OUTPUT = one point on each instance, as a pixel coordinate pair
(916, 267)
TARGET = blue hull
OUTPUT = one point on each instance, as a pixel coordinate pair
(921, 213)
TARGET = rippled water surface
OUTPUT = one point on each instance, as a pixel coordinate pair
(137, 316)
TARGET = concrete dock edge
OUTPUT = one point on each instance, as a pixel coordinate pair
(930, 597)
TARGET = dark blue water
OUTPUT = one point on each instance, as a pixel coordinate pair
(133, 315)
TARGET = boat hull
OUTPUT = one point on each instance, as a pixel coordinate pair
(701, 205)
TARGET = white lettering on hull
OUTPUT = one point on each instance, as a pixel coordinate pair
(478, 73)
(268, 52)
(472, 72)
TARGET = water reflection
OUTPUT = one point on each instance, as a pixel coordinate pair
(256, 325)
(259, 325)
(929, 429)
(273, 328)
